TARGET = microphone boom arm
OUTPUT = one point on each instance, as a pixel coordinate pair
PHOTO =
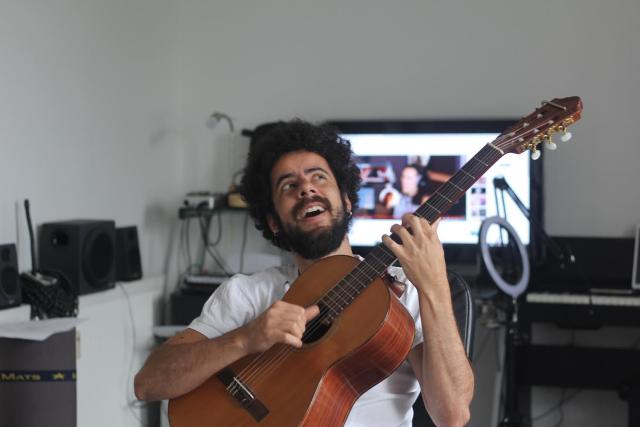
(500, 183)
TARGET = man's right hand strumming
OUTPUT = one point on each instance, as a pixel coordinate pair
(281, 323)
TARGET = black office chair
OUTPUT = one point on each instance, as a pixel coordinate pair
(463, 308)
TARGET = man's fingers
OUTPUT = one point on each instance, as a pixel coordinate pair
(388, 241)
(406, 218)
(292, 340)
(294, 328)
(311, 312)
(404, 233)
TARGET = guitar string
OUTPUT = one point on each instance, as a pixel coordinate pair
(317, 322)
(501, 142)
(249, 371)
(287, 350)
(441, 191)
(347, 287)
(313, 325)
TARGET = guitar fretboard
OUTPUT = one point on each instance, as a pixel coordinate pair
(376, 263)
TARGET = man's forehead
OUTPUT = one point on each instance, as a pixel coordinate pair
(298, 162)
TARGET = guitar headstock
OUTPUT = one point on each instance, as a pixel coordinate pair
(552, 117)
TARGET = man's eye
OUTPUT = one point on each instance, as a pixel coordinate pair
(288, 186)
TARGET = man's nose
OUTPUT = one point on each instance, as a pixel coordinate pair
(307, 188)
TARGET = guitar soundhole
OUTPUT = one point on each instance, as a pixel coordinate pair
(318, 326)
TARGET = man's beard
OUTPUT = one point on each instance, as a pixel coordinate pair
(314, 244)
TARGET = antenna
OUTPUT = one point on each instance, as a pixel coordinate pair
(34, 265)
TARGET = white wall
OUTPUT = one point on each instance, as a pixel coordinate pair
(87, 106)
(87, 102)
(261, 61)
(103, 103)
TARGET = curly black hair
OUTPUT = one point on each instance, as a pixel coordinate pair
(284, 137)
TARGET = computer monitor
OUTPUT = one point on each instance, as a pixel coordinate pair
(403, 162)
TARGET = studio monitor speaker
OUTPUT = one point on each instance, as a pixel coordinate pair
(635, 274)
(10, 292)
(128, 263)
(81, 250)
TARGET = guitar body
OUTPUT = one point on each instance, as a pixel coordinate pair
(317, 384)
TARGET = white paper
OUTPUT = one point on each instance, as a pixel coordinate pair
(38, 330)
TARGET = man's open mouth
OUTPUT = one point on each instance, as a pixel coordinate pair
(313, 211)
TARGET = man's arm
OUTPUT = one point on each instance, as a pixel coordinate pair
(184, 362)
(444, 372)
(188, 359)
(440, 362)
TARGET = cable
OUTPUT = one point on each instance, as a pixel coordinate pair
(485, 340)
(205, 227)
(559, 406)
(132, 403)
(561, 402)
(216, 257)
(219, 236)
(181, 249)
(209, 248)
(188, 242)
(561, 409)
(244, 242)
(564, 399)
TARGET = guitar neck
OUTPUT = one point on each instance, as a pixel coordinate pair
(552, 117)
(452, 190)
(376, 263)
(380, 258)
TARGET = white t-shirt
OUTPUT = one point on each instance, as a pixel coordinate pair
(242, 298)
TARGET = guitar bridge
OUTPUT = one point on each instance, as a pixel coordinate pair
(242, 394)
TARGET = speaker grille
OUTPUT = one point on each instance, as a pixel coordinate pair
(99, 258)
(9, 280)
(10, 292)
(128, 263)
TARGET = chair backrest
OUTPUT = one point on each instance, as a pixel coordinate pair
(464, 312)
(463, 309)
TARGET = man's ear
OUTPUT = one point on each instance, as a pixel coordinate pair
(272, 223)
(347, 202)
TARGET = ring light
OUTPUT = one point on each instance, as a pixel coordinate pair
(515, 290)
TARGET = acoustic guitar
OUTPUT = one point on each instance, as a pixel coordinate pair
(363, 333)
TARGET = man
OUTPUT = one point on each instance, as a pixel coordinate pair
(409, 200)
(301, 186)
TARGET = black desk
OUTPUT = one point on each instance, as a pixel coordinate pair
(578, 367)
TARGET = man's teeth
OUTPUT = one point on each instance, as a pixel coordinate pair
(312, 210)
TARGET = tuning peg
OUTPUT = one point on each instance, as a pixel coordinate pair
(551, 145)
(565, 136)
(535, 154)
